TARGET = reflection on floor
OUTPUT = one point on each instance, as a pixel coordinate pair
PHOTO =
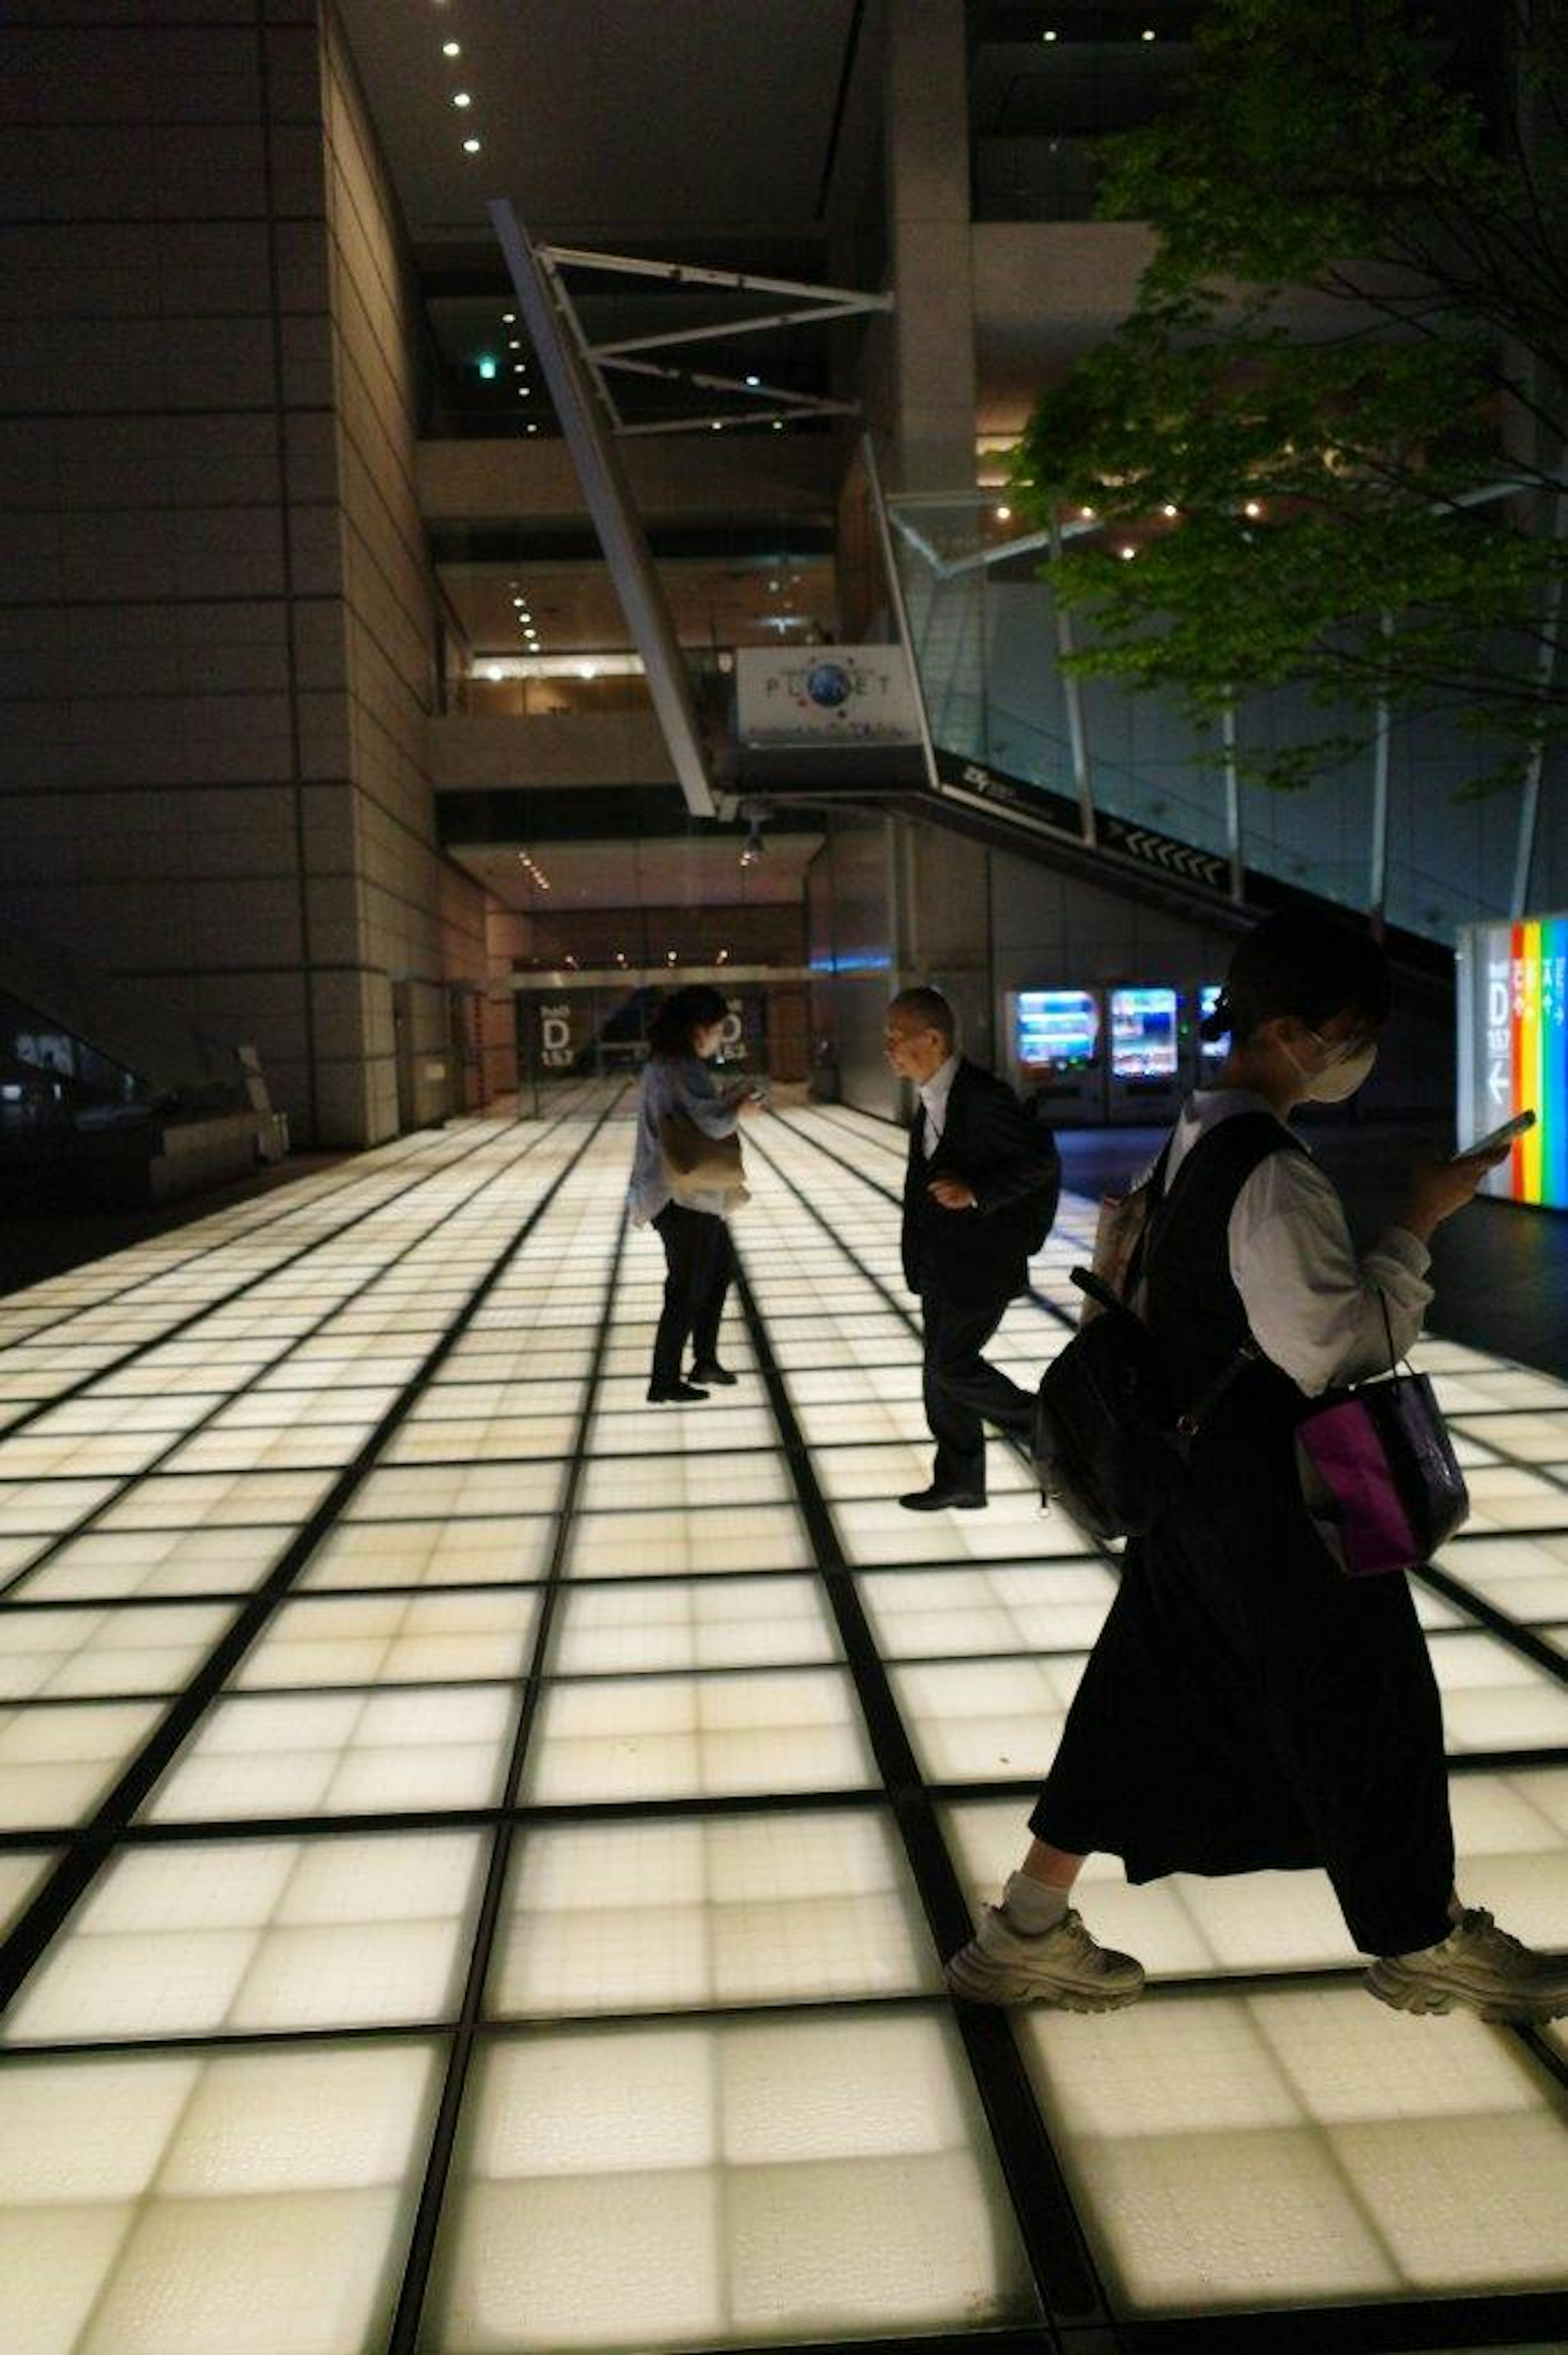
(476, 1851)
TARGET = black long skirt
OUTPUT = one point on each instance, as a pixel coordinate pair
(1247, 1705)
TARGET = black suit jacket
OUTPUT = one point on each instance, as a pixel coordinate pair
(994, 1145)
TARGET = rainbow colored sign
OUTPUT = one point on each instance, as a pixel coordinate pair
(1513, 1050)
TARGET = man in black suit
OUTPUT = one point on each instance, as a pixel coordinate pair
(979, 1197)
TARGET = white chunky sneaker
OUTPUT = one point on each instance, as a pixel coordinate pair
(1063, 1965)
(1481, 1968)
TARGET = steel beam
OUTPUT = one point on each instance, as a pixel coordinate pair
(608, 495)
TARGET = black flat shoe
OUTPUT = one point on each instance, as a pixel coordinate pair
(719, 1377)
(941, 1499)
(678, 1394)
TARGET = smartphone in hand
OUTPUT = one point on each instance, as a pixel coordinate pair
(1518, 1127)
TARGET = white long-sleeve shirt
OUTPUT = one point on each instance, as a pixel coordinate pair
(934, 1094)
(1312, 1304)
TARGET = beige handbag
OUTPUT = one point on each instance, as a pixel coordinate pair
(1122, 1220)
(695, 1163)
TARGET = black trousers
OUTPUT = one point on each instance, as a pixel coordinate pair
(962, 1392)
(699, 1261)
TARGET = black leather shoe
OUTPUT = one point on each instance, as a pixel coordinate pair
(678, 1394)
(942, 1496)
(717, 1377)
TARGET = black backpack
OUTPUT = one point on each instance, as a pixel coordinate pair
(1111, 1443)
(1041, 1207)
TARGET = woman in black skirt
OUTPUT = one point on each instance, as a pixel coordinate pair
(1247, 1705)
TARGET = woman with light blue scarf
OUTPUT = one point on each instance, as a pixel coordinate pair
(699, 1259)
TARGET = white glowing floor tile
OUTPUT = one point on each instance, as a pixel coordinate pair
(110, 1565)
(759, 1909)
(501, 1551)
(216, 1500)
(1514, 1497)
(79, 1654)
(56, 1764)
(174, 2206)
(380, 1640)
(340, 1754)
(45, 1508)
(658, 1544)
(1526, 1577)
(412, 1492)
(503, 1438)
(974, 1721)
(1055, 1606)
(848, 1472)
(865, 1422)
(687, 1480)
(21, 1872)
(796, 2179)
(647, 1625)
(1527, 1438)
(32, 1454)
(16, 1553)
(689, 1737)
(258, 1449)
(189, 1939)
(1495, 1698)
(1231, 2151)
(637, 1432)
(1010, 1529)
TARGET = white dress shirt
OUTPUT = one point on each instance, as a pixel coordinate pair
(1312, 1304)
(934, 1094)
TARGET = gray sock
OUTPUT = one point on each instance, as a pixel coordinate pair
(1030, 1908)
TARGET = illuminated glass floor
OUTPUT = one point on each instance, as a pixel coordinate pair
(476, 1852)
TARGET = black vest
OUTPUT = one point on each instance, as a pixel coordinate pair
(1197, 1317)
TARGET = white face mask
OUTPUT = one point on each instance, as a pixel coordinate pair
(1339, 1081)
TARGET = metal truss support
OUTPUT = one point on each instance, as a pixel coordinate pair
(610, 503)
(770, 404)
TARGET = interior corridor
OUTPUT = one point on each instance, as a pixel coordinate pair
(476, 1851)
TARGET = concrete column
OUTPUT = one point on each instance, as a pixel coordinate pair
(929, 383)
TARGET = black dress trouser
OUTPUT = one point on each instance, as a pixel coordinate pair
(699, 1261)
(962, 1392)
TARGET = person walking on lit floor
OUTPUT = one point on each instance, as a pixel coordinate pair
(980, 1193)
(1247, 1705)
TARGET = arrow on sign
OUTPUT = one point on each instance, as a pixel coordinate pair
(1160, 851)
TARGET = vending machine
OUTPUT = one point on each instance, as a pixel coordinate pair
(1145, 1054)
(1205, 1055)
(1055, 1050)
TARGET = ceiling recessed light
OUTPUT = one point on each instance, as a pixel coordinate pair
(1088, 513)
(1127, 554)
(1253, 508)
(1004, 514)
(471, 146)
(461, 98)
(1049, 35)
(1149, 32)
(1170, 512)
(754, 381)
(509, 318)
(451, 49)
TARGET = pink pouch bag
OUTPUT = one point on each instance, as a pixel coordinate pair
(1380, 1476)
